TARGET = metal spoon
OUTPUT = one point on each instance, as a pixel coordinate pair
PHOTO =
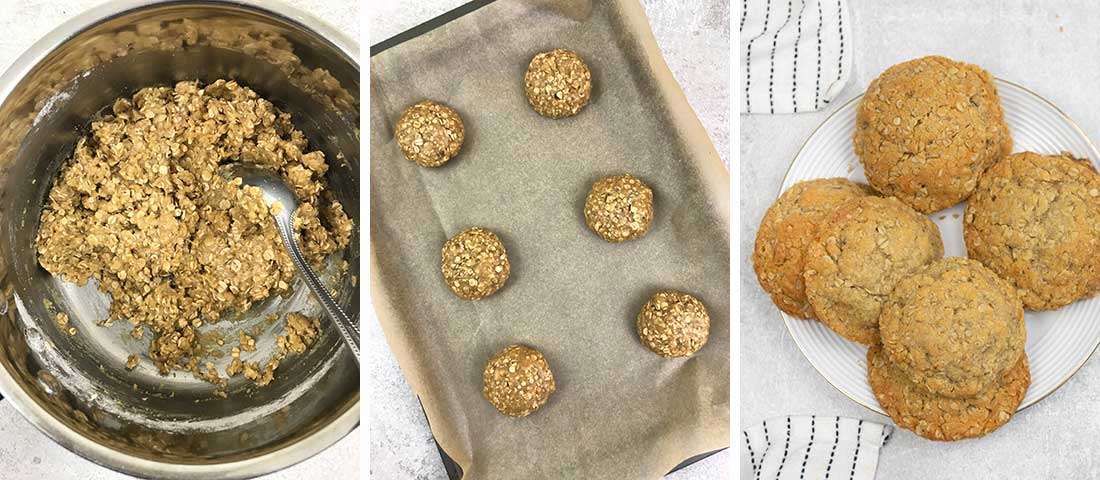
(275, 190)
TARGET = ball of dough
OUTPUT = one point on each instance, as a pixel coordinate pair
(1033, 220)
(786, 232)
(954, 328)
(517, 381)
(619, 208)
(558, 83)
(673, 324)
(927, 129)
(475, 263)
(430, 133)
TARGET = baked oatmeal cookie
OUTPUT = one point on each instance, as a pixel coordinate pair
(141, 208)
(430, 133)
(1033, 220)
(941, 418)
(926, 130)
(517, 381)
(862, 251)
(558, 83)
(953, 328)
(787, 229)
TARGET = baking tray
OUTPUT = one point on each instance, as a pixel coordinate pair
(452, 467)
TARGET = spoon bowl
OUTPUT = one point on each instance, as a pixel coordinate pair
(282, 204)
(271, 185)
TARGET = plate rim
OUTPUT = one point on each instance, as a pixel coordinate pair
(787, 319)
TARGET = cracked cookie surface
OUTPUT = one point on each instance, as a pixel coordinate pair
(953, 328)
(862, 251)
(788, 228)
(1033, 221)
(941, 418)
(926, 130)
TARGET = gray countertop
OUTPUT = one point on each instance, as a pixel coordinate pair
(26, 453)
(1047, 46)
(694, 38)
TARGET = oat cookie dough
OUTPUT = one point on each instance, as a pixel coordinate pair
(1033, 221)
(558, 83)
(940, 418)
(517, 381)
(673, 324)
(862, 251)
(474, 263)
(619, 208)
(926, 130)
(953, 328)
(300, 333)
(430, 133)
(786, 231)
(141, 208)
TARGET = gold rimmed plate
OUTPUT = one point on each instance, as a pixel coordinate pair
(1058, 342)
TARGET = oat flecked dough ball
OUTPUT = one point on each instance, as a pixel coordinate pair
(927, 129)
(558, 83)
(619, 208)
(430, 133)
(474, 263)
(517, 381)
(673, 324)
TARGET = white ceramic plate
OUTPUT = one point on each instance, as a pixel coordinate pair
(1058, 342)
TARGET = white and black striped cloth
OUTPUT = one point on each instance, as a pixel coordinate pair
(796, 55)
(812, 447)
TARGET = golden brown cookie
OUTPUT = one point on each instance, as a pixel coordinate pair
(954, 327)
(474, 263)
(673, 324)
(619, 208)
(1033, 220)
(862, 251)
(430, 133)
(926, 130)
(787, 229)
(558, 83)
(517, 381)
(940, 418)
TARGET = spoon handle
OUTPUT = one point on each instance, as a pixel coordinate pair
(348, 329)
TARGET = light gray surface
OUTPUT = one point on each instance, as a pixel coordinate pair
(1018, 41)
(25, 453)
(694, 40)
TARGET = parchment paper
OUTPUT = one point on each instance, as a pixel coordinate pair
(620, 411)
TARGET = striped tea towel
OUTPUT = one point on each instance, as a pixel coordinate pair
(812, 447)
(796, 55)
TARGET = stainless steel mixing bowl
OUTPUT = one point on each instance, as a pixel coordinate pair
(75, 388)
